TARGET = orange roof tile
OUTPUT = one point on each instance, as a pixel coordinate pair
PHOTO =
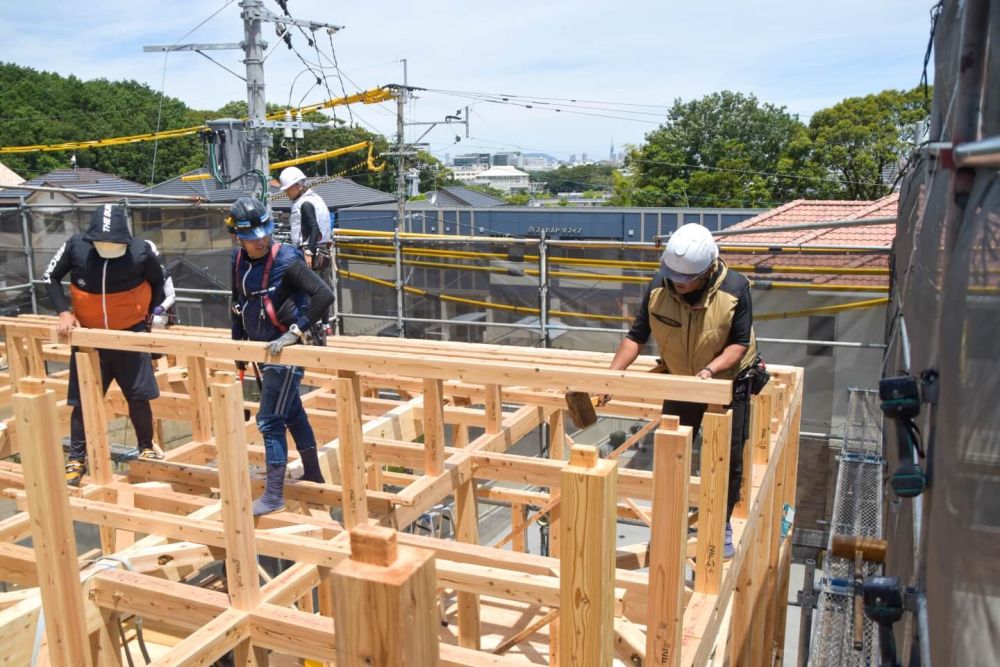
(792, 267)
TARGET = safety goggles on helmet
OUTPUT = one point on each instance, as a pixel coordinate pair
(248, 230)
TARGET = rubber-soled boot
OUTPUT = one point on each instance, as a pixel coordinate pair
(728, 550)
(310, 466)
(273, 499)
(75, 470)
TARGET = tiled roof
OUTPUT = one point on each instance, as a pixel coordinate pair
(81, 179)
(769, 266)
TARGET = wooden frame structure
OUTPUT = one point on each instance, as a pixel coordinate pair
(360, 591)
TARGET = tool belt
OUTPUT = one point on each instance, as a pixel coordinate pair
(751, 381)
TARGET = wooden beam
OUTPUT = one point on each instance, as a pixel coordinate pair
(716, 438)
(51, 528)
(237, 513)
(589, 490)
(556, 376)
(668, 541)
(210, 642)
(385, 603)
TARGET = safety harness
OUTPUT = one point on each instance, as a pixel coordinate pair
(264, 291)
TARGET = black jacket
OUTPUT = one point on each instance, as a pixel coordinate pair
(106, 293)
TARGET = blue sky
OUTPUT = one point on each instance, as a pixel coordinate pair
(800, 54)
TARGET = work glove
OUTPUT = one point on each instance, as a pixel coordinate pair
(241, 366)
(290, 337)
(159, 318)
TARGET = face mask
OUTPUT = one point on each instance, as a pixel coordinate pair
(109, 250)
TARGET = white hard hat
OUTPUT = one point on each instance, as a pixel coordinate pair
(690, 251)
(290, 176)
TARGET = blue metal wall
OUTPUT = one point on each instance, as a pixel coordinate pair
(629, 224)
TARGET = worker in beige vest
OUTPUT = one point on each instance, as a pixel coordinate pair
(699, 312)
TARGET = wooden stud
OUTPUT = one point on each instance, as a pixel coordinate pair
(467, 531)
(760, 427)
(587, 564)
(385, 603)
(234, 488)
(201, 417)
(95, 417)
(51, 528)
(433, 427)
(668, 541)
(352, 454)
(494, 408)
(716, 438)
(518, 528)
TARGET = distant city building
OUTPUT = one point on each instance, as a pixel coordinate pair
(538, 162)
(572, 158)
(611, 154)
(507, 179)
(469, 159)
(583, 158)
(468, 173)
(511, 159)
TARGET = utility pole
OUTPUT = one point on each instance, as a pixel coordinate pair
(256, 128)
(253, 49)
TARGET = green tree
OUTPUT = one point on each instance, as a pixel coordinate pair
(575, 179)
(854, 140)
(721, 150)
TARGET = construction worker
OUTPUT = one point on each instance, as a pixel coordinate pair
(115, 280)
(310, 224)
(700, 314)
(276, 299)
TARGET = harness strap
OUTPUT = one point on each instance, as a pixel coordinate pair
(265, 298)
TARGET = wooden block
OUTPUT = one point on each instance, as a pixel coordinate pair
(352, 454)
(668, 542)
(51, 527)
(587, 563)
(386, 603)
(234, 488)
(716, 438)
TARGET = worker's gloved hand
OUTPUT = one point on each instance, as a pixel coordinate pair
(290, 337)
(159, 318)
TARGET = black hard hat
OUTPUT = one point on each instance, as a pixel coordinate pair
(249, 219)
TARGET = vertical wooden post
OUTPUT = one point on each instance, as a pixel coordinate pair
(433, 427)
(774, 544)
(95, 415)
(494, 408)
(517, 527)
(386, 605)
(557, 452)
(36, 357)
(668, 541)
(234, 488)
(760, 427)
(109, 645)
(742, 508)
(467, 531)
(17, 363)
(716, 438)
(51, 526)
(352, 453)
(589, 496)
(758, 583)
(201, 413)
